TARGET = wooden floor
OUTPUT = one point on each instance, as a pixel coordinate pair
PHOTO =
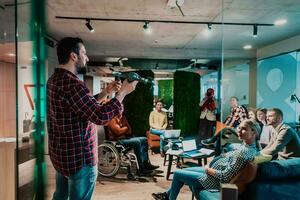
(118, 188)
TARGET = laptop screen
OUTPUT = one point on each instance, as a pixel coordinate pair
(189, 145)
(175, 133)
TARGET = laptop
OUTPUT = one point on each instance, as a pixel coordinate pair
(175, 133)
(190, 148)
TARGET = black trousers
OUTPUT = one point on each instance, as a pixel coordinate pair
(206, 128)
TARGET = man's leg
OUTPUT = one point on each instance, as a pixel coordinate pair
(160, 133)
(181, 177)
(161, 143)
(156, 131)
(82, 183)
(136, 145)
(62, 187)
(143, 148)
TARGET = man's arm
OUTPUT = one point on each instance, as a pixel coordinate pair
(114, 86)
(87, 107)
(116, 129)
(278, 143)
(125, 123)
(165, 121)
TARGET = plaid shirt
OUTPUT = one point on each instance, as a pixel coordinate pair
(237, 115)
(72, 115)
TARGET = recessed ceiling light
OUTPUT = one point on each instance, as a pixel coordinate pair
(280, 22)
(247, 47)
(206, 32)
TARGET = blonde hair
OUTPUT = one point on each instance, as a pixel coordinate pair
(253, 124)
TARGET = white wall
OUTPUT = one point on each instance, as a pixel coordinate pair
(281, 47)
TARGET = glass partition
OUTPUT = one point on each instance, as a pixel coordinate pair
(31, 106)
(261, 62)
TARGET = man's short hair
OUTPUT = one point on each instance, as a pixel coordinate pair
(234, 97)
(65, 47)
(159, 101)
(277, 111)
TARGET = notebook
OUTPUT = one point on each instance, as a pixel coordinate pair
(175, 133)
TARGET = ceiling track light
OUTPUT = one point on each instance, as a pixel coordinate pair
(146, 25)
(148, 21)
(255, 30)
(89, 26)
(147, 28)
(209, 26)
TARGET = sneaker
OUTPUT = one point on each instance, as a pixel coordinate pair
(149, 166)
(209, 141)
(160, 196)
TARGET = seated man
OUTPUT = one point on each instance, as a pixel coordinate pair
(158, 122)
(284, 141)
(120, 130)
(237, 115)
(221, 169)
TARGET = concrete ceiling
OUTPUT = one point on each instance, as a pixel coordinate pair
(168, 40)
(173, 41)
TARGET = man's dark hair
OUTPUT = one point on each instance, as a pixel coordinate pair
(277, 111)
(159, 101)
(66, 46)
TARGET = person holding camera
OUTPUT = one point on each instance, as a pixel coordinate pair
(208, 107)
(72, 115)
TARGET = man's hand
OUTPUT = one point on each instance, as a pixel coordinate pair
(127, 87)
(113, 86)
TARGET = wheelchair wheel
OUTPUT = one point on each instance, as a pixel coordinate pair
(108, 160)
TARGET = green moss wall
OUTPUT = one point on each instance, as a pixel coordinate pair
(165, 92)
(186, 102)
(139, 104)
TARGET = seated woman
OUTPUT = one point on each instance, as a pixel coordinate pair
(221, 169)
(119, 130)
(264, 138)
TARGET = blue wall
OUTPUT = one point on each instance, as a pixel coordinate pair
(277, 80)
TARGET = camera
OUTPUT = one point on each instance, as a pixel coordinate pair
(209, 93)
(132, 76)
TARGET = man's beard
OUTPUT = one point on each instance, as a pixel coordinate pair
(81, 69)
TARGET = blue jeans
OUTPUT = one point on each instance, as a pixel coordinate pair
(140, 147)
(160, 133)
(187, 176)
(79, 186)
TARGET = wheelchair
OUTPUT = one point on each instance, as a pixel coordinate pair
(113, 156)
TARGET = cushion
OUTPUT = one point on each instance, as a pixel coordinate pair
(276, 189)
(279, 169)
(209, 195)
(245, 176)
